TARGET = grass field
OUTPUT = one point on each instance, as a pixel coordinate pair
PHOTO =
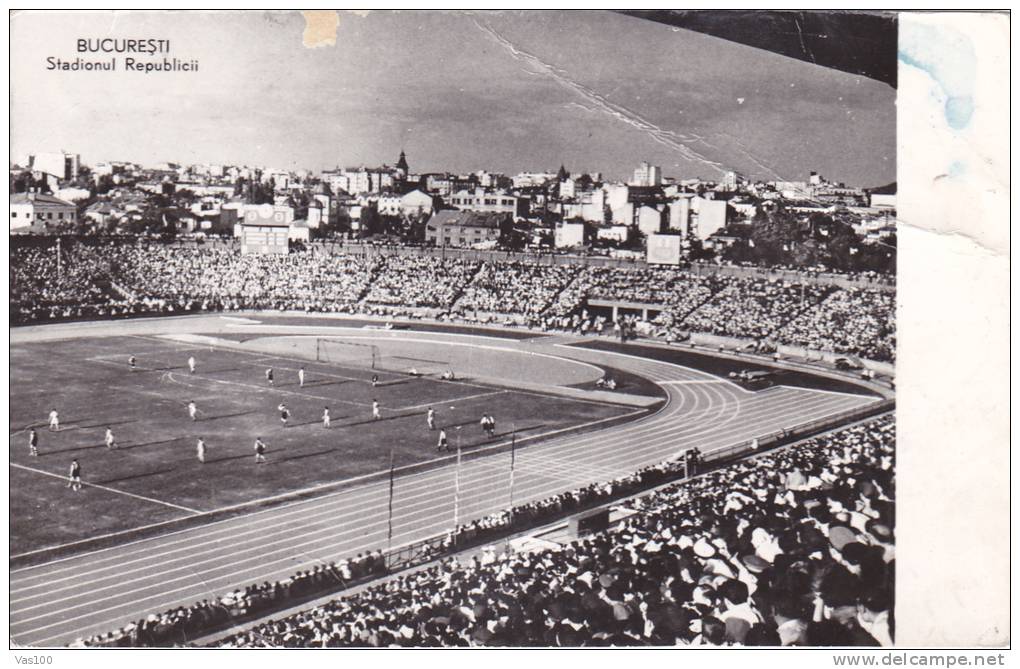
(154, 474)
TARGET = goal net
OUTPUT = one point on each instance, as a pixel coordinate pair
(340, 352)
(410, 366)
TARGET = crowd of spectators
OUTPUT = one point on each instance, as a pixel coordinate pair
(753, 308)
(654, 284)
(420, 281)
(75, 287)
(794, 547)
(131, 278)
(515, 287)
(190, 278)
(855, 321)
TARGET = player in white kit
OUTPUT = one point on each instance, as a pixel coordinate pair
(200, 450)
(325, 417)
(375, 410)
(54, 420)
(301, 377)
(431, 418)
(191, 365)
(192, 410)
(111, 441)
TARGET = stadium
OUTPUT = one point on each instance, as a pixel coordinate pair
(705, 451)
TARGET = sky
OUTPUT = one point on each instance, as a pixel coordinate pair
(457, 91)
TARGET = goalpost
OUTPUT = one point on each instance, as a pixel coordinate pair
(351, 354)
(416, 367)
(340, 352)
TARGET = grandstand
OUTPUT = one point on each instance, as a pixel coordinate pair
(160, 279)
(783, 536)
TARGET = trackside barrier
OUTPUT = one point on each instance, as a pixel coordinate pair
(419, 552)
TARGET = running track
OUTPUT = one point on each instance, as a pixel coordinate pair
(54, 603)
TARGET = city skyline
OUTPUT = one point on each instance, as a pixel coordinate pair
(518, 91)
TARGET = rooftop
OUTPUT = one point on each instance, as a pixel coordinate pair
(39, 200)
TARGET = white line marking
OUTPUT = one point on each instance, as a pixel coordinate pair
(236, 319)
(691, 382)
(103, 487)
(456, 399)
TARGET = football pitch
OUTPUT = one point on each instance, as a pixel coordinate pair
(154, 475)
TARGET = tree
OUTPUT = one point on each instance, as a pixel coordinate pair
(370, 222)
(263, 193)
(105, 184)
(512, 238)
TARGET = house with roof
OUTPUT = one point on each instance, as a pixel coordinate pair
(412, 203)
(466, 228)
(40, 209)
(103, 213)
(481, 200)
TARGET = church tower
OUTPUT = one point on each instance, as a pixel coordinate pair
(402, 163)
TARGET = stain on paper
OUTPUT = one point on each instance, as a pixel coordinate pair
(320, 28)
(947, 56)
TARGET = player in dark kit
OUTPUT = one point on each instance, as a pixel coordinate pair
(33, 442)
(269, 376)
(284, 413)
(132, 363)
(260, 451)
(74, 476)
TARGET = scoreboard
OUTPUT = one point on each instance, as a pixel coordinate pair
(663, 249)
(264, 230)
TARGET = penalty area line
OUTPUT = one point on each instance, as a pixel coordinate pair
(103, 487)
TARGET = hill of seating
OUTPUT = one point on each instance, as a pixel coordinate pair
(123, 279)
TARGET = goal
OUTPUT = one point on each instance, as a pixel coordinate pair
(408, 366)
(340, 352)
